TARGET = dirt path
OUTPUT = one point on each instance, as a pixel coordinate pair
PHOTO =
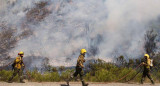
(72, 84)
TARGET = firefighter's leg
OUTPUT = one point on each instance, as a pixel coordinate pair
(20, 73)
(149, 76)
(72, 76)
(14, 74)
(83, 82)
(75, 75)
(81, 77)
(143, 76)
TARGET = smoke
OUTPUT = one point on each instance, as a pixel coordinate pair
(104, 27)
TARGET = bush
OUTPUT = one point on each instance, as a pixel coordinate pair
(104, 76)
(99, 72)
(47, 76)
(5, 75)
(53, 77)
(66, 74)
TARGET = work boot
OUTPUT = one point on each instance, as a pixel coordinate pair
(67, 82)
(75, 79)
(21, 80)
(84, 84)
(142, 81)
(71, 77)
(10, 80)
(152, 82)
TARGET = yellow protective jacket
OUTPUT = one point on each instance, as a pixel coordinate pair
(80, 61)
(148, 62)
(18, 62)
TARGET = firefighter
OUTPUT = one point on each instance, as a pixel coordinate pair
(146, 71)
(79, 68)
(18, 67)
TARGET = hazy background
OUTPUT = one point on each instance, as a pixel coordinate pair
(60, 28)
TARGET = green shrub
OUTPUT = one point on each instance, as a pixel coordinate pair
(5, 75)
(99, 72)
(66, 74)
(104, 76)
(53, 77)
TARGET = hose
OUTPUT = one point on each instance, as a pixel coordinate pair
(127, 74)
(134, 76)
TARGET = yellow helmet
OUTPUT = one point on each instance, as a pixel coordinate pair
(21, 53)
(146, 56)
(83, 51)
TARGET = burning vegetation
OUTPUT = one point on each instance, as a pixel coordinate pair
(38, 13)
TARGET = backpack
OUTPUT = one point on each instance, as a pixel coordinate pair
(151, 63)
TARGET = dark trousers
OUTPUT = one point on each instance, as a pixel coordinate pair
(79, 72)
(17, 71)
(146, 72)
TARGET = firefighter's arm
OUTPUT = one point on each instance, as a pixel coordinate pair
(14, 61)
(23, 64)
(17, 60)
(84, 60)
(80, 62)
(145, 64)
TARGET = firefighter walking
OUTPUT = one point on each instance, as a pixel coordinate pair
(79, 68)
(18, 67)
(146, 71)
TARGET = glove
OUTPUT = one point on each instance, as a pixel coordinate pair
(143, 63)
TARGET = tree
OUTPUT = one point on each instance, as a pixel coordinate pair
(54, 69)
(150, 42)
(121, 60)
(61, 68)
(137, 61)
(131, 62)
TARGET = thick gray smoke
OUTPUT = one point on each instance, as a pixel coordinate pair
(104, 27)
